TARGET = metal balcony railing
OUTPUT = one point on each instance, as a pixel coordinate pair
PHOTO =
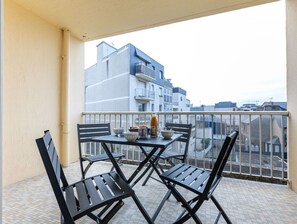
(145, 72)
(144, 94)
(260, 151)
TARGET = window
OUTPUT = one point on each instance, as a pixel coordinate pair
(153, 107)
(141, 107)
(161, 75)
(153, 91)
(160, 107)
(160, 91)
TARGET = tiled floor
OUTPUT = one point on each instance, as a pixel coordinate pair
(32, 201)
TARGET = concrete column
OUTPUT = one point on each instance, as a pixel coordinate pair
(65, 98)
(291, 37)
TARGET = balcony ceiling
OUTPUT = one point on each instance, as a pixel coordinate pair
(95, 19)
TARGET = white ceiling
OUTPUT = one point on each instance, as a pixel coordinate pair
(94, 19)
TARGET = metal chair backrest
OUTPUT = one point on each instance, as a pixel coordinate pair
(87, 131)
(185, 130)
(54, 171)
(221, 161)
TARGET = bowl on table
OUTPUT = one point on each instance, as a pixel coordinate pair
(131, 136)
(118, 131)
(167, 134)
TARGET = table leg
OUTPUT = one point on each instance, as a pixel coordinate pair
(120, 172)
(142, 163)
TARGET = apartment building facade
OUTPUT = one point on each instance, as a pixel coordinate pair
(180, 101)
(126, 79)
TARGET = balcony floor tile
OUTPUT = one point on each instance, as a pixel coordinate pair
(33, 201)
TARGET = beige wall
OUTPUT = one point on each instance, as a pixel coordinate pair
(291, 88)
(76, 94)
(31, 93)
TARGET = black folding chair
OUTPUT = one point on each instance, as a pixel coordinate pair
(79, 199)
(85, 133)
(170, 155)
(201, 182)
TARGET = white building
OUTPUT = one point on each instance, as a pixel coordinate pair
(179, 100)
(126, 79)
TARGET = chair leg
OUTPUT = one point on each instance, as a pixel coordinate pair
(191, 212)
(221, 209)
(161, 205)
(112, 212)
(86, 170)
(62, 219)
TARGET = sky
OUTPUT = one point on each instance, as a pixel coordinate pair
(239, 56)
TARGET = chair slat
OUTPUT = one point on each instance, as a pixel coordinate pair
(194, 175)
(122, 184)
(102, 187)
(201, 181)
(89, 133)
(173, 169)
(56, 166)
(101, 157)
(71, 200)
(47, 138)
(93, 125)
(215, 182)
(94, 196)
(82, 195)
(51, 150)
(111, 184)
(178, 171)
(186, 174)
(94, 129)
(184, 129)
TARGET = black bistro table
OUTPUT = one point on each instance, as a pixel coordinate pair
(157, 145)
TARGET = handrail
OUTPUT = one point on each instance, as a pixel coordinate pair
(261, 148)
(283, 113)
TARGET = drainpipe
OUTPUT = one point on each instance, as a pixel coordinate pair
(65, 98)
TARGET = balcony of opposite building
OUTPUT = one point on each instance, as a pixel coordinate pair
(142, 94)
(145, 73)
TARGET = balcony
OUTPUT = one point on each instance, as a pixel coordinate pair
(244, 201)
(61, 101)
(144, 95)
(261, 148)
(144, 73)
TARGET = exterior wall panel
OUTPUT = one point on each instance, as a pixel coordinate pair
(31, 90)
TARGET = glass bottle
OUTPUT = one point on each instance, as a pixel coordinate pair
(154, 126)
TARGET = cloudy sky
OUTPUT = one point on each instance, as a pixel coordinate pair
(237, 56)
